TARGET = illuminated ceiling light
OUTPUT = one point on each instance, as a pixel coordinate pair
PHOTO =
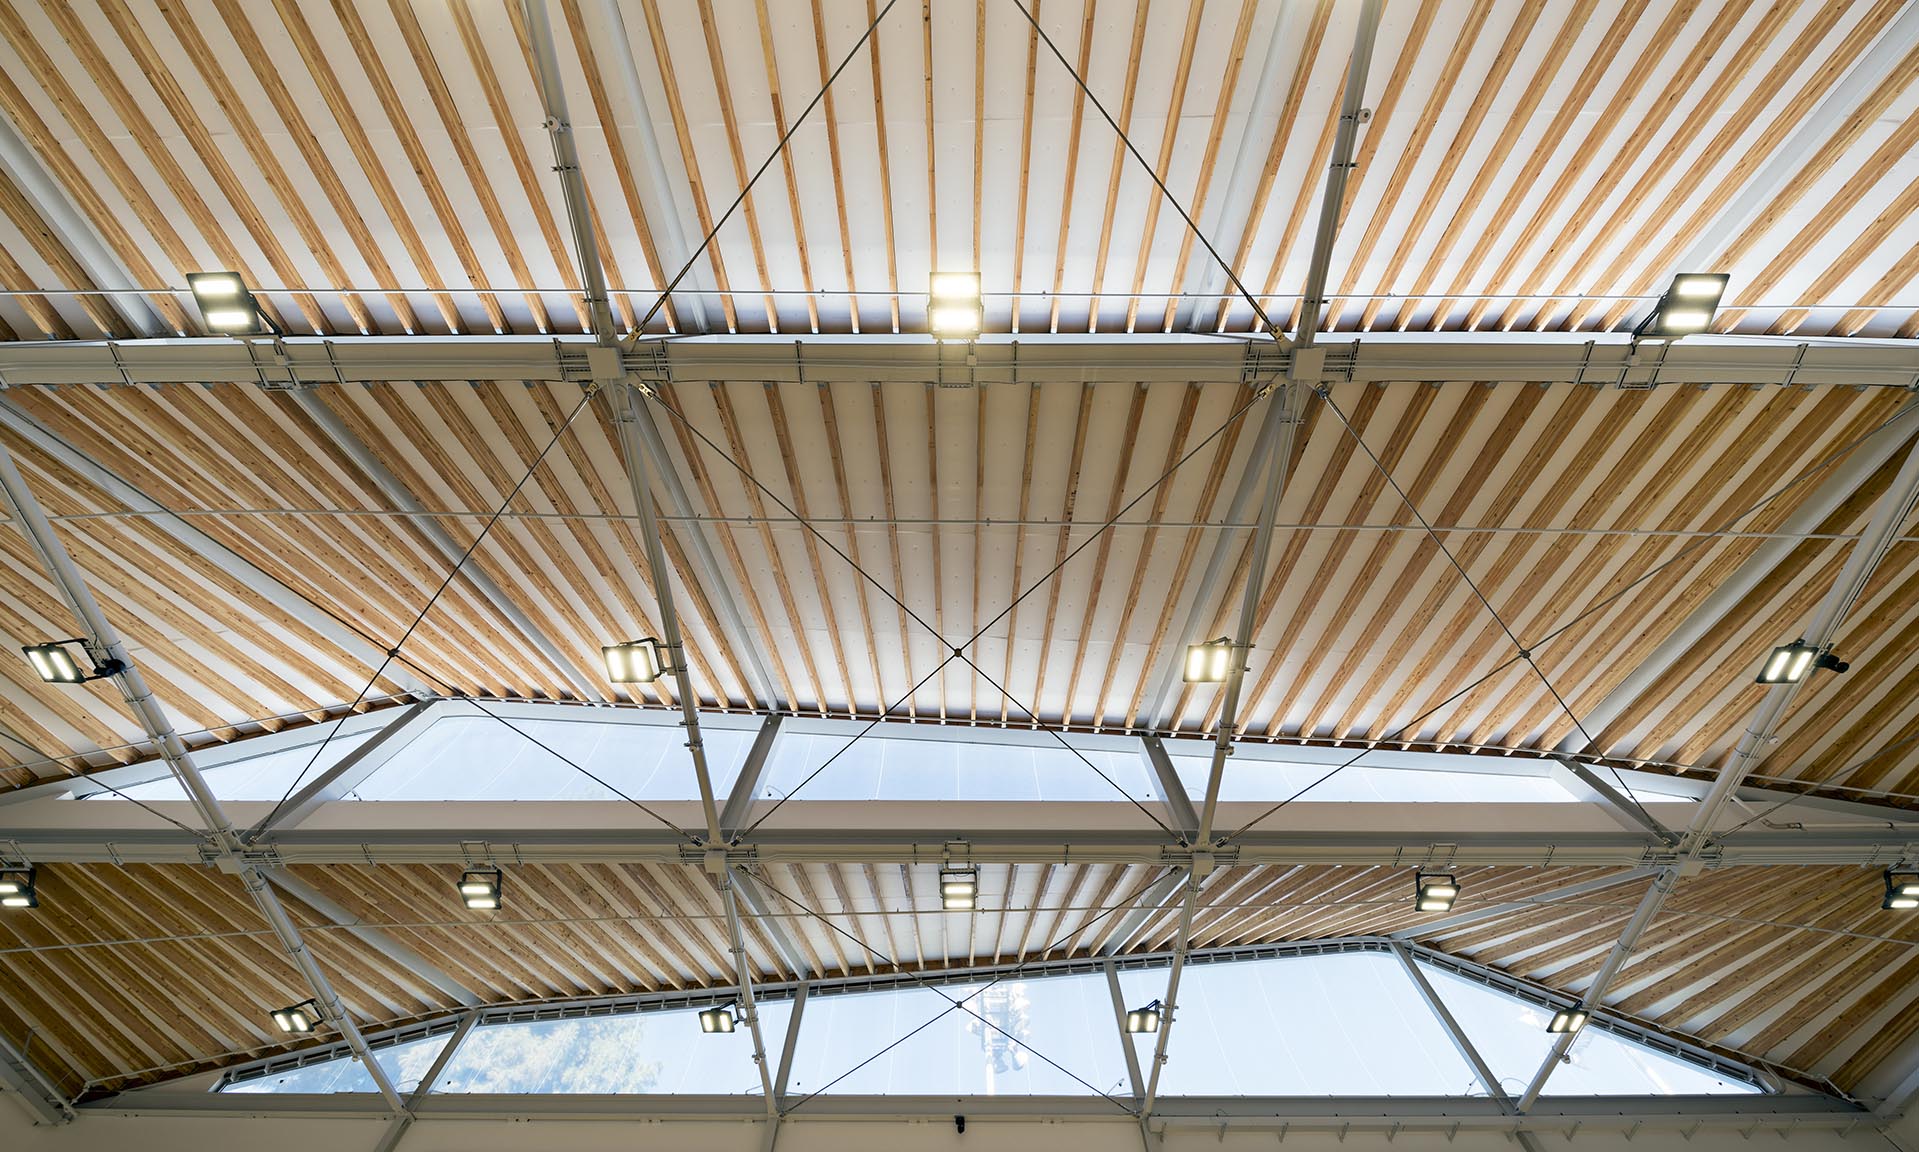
(480, 888)
(634, 662)
(225, 304)
(1434, 892)
(959, 888)
(54, 663)
(1789, 663)
(953, 307)
(298, 1020)
(954, 286)
(1902, 891)
(1687, 306)
(1143, 1019)
(1568, 1020)
(17, 888)
(954, 321)
(719, 1019)
(1693, 286)
(1207, 663)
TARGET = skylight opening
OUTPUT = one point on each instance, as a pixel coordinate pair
(1340, 1023)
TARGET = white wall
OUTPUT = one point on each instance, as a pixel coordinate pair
(172, 1133)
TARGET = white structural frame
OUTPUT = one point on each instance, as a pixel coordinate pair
(1772, 1085)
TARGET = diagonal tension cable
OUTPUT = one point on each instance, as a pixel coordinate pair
(1031, 715)
(952, 1004)
(956, 652)
(585, 399)
(1727, 525)
(1524, 653)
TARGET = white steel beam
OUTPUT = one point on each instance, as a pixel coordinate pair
(1542, 358)
(1303, 370)
(1893, 45)
(271, 591)
(665, 210)
(740, 800)
(793, 1020)
(427, 833)
(1179, 806)
(222, 840)
(743, 986)
(34, 1088)
(397, 1127)
(1125, 1038)
(1580, 780)
(1827, 495)
(401, 497)
(1454, 1032)
(566, 163)
(72, 231)
(640, 440)
(1150, 903)
(639, 477)
(1235, 209)
(352, 770)
(765, 913)
(380, 940)
(1434, 1116)
(1888, 519)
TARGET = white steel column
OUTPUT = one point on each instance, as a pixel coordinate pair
(1888, 519)
(744, 976)
(566, 162)
(1281, 423)
(397, 1127)
(103, 643)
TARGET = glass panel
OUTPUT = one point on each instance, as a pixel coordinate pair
(1349, 1024)
(1018, 1037)
(268, 776)
(404, 1064)
(644, 1052)
(876, 768)
(1511, 1036)
(480, 758)
(1249, 779)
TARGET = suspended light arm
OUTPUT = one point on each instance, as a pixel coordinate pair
(636, 661)
(1902, 891)
(719, 1019)
(54, 663)
(1568, 1020)
(1208, 663)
